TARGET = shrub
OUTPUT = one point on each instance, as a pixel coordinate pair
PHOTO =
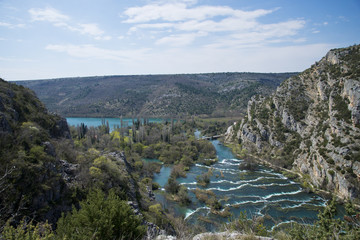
(101, 217)
(330, 161)
(249, 165)
(247, 226)
(155, 186)
(204, 179)
(95, 172)
(342, 109)
(28, 231)
(183, 196)
(172, 186)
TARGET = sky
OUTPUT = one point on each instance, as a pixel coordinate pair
(41, 39)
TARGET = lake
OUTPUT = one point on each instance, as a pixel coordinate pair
(113, 122)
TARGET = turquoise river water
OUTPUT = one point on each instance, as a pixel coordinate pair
(113, 122)
(263, 192)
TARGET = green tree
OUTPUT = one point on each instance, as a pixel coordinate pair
(172, 186)
(28, 231)
(101, 217)
(328, 226)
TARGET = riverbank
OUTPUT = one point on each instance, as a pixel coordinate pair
(294, 175)
(263, 193)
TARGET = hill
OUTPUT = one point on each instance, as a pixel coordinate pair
(29, 176)
(311, 124)
(215, 94)
(45, 173)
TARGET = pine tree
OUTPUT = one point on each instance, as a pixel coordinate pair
(101, 217)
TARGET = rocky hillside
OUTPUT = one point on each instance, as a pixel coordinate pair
(30, 182)
(43, 175)
(215, 94)
(311, 124)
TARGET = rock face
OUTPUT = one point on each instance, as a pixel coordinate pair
(311, 124)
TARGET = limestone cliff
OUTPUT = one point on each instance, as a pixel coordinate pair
(311, 124)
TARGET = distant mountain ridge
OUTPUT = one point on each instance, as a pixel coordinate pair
(213, 94)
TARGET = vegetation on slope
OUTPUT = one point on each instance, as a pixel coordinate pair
(87, 181)
(216, 94)
(29, 169)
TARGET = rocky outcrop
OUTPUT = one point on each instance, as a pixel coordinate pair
(61, 129)
(311, 124)
(227, 235)
(69, 171)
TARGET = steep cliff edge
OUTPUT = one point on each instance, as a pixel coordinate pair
(311, 124)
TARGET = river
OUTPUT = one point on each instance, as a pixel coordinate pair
(263, 192)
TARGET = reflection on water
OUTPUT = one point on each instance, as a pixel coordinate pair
(162, 177)
(259, 193)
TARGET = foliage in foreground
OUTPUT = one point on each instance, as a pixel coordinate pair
(327, 227)
(99, 217)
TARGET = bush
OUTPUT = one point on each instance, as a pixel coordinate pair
(28, 231)
(247, 226)
(183, 196)
(249, 165)
(342, 109)
(204, 179)
(101, 217)
(155, 186)
(172, 186)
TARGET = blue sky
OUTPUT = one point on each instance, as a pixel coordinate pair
(70, 38)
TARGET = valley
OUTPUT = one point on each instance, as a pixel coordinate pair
(168, 180)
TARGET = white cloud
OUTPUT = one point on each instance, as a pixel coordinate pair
(253, 59)
(180, 39)
(60, 20)
(91, 29)
(90, 51)
(11, 25)
(180, 12)
(222, 24)
(48, 14)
